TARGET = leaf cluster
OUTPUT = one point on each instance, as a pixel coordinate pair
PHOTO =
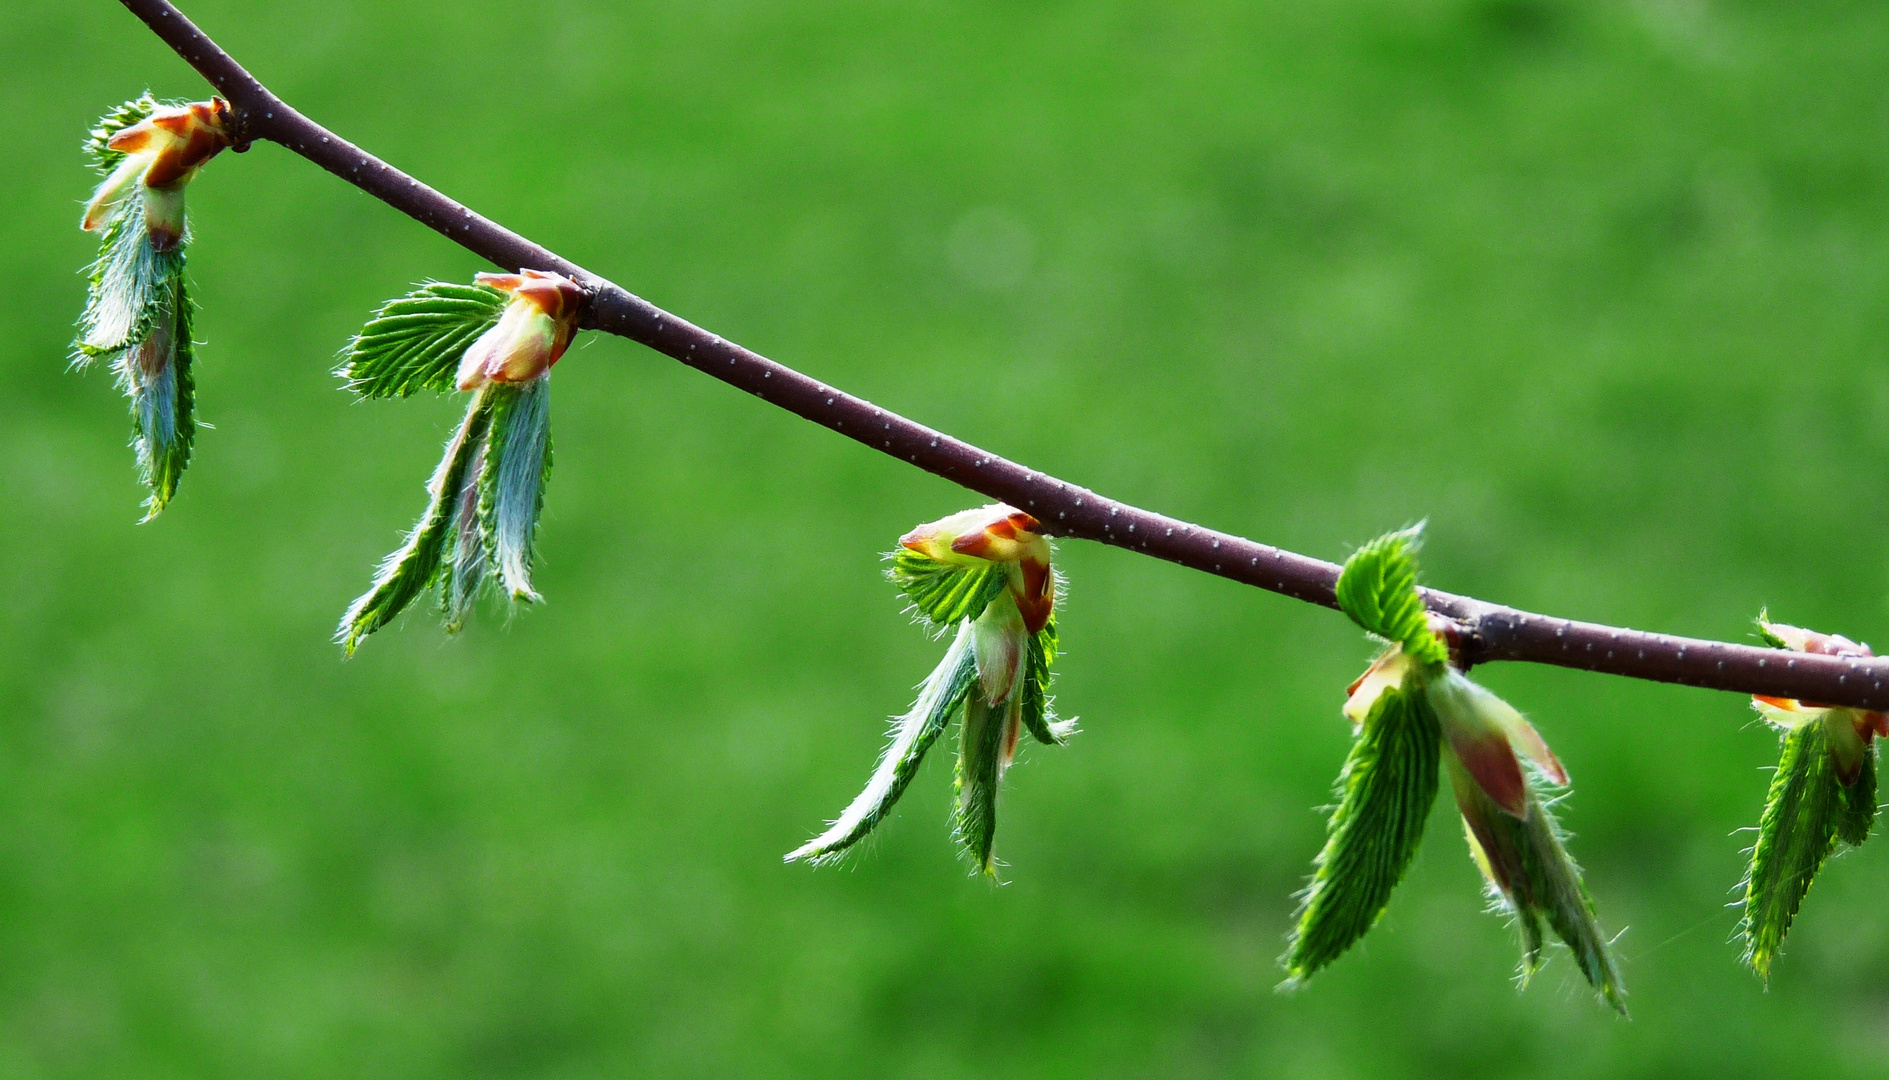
(974, 598)
(1390, 780)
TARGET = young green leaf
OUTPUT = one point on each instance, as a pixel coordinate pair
(416, 342)
(1807, 811)
(1039, 715)
(1378, 589)
(981, 760)
(944, 593)
(1384, 794)
(97, 146)
(156, 376)
(912, 734)
(1766, 634)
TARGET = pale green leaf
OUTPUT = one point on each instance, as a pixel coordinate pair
(464, 565)
(129, 285)
(512, 479)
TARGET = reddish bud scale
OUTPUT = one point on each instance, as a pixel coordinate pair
(1788, 712)
(1491, 761)
(198, 132)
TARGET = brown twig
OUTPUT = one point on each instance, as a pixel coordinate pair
(1486, 631)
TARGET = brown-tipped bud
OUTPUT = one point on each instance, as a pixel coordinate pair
(180, 140)
(539, 321)
(163, 153)
(995, 534)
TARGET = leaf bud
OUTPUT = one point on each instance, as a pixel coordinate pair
(162, 152)
(539, 321)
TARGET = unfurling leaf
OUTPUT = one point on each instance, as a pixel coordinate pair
(482, 510)
(912, 734)
(1797, 832)
(982, 739)
(1384, 794)
(987, 572)
(416, 342)
(138, 312)
(464, 567)
(1823, 794)
(497, 338)
(129, 285)
(156, 376)
(1378, 589)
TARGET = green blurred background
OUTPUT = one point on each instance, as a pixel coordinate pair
(1599, 288)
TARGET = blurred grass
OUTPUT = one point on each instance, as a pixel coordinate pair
(1599, 288)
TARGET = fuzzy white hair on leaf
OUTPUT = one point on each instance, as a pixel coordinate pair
(912, 734)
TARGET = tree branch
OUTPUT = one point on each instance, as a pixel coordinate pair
(1485, 631)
